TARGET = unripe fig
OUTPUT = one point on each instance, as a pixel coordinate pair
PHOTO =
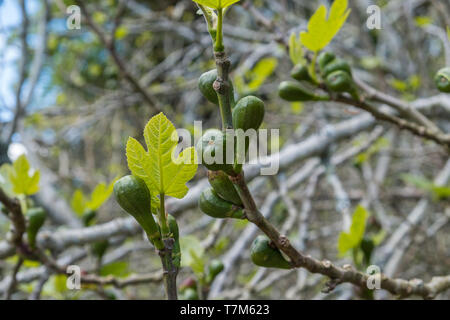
(292, 91)
(442, 80)
(248, 113)
(339, 81)
(190, 294)
(264, 255)
(206, 87)
(214, 206)
(212, 149)
(300, 73)
(99, 248)
(325, 58)
(214, 268)
(336, 65)
(224, 187)
(176, 252)
(36, 219)
(367, 247)
(88, 217)
(134, 197)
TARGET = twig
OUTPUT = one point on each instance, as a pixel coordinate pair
(110, 46)
(13, 282)
(424, 132)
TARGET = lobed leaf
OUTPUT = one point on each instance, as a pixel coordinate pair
(322, 30)
(216, 4)
(23, 179)
(352, 239)
(163, 171)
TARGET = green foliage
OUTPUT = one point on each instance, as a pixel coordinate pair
(5, 182)
(352, 239)
(216, 4)
(296, 50)
(192, 254)
(36, 218)
(422, 21)
(98, 197)
(24, 180)
(322, 30)
(159, 168)
(408, 87)
(119, 269)
(438, 192)
(380, 144)
(251, 80)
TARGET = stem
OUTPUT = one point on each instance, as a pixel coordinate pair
(170, 271)
(312, 68)
(218, 46)
(162, 218)
(222, 86)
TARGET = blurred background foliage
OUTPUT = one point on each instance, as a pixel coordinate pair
(85, 107)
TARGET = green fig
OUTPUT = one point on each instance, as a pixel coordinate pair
(248, 113)
(212, 148)
(339, 81)
(206, 87)
(224, 187)
(301, 73)
(99, 248)
(291, 91)
(88, 217)
(214, 206)
(325, 58)
(264, 255)
(442, 80)
(214, 268)
(134, 197)
(190, 294)
(36, 218)
(336, 65)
